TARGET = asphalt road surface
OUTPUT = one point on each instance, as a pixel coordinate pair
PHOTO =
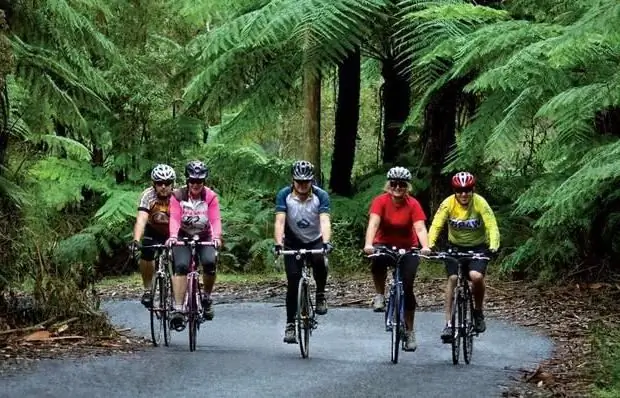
(241, 354)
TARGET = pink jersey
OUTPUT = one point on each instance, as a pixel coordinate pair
(195, 216)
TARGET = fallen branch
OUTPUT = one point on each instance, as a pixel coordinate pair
(27, 329)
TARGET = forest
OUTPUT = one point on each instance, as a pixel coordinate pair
(523, 93)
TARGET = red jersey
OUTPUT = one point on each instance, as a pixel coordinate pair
(396, 227)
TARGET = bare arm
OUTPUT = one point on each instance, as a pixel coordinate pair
(326, 227)
(373, 225)
(278, 228)
(138, 229)
(420, 230)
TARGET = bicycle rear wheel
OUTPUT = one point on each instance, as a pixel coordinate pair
(158, 321)
(394, 308)
(456, 327)
(468, 327)
(304, 314)
(192, 318)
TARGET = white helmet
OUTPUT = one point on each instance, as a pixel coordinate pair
(163, 172)
(399, 173)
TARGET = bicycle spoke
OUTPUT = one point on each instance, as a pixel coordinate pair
(396, 324)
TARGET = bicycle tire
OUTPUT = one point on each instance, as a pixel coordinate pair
(468, 326)
(157, 321)
(456, 327)
(167, 308)
(396, 326)
(192, 318)
(303, 318)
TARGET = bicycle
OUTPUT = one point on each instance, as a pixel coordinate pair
(395, 310)
(193, 296)
(161, 289)
(463, 322)
(305, 319)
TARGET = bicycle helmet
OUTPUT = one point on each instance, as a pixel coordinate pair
(196, 170)
(303, 170)
(399, 173)
(463, 179)
(163, 172)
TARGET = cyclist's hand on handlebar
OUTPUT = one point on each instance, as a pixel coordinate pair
(328, 247)
(134, 246)
(277, 249)
(492, 252)
(425, 251)
(369, 249)
(171, 241)
(217, 243)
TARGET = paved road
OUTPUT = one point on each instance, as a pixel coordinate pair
(241, 354)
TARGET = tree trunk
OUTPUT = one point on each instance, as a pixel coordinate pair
(347, 119)
(312, 120)
(439, 137)
(6, 65)
(396, 98)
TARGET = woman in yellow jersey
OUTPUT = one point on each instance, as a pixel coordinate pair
(471, 226)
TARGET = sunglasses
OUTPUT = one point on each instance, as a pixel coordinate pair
(195, 181)
(163, 183)
(463, 190)
(303, 181)
(398, 184)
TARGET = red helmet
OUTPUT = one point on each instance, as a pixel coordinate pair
(463, 179)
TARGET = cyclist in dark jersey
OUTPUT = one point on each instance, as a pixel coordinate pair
(151, 225)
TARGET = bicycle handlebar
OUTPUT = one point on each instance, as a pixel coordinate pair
(302, 251)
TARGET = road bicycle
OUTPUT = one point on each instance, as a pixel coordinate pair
(463, 321)
(161, 295)
(305, 319)
(395, 309)
(192, 301)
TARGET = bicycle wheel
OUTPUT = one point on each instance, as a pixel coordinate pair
(456, 327)
(303, 318)
(192, 318)
(396, 325)
(167, 306)
(468, 327)
(157, 315)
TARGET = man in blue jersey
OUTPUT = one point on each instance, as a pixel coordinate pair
(302, 222)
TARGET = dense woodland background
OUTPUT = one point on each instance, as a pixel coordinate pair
(524, 93)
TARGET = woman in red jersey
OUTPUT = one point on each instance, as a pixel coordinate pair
(397, 219)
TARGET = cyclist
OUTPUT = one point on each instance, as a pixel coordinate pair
(471, 226)
(194, 210)
(397, 219)
(302, 222)
(152, 223)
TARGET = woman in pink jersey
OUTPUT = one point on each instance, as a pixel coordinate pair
(194, 210)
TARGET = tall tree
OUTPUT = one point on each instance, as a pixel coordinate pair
(347, 119)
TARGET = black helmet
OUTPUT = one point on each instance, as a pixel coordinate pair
(302, 170)
(196, 169)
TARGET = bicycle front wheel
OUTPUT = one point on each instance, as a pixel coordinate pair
(468, 327)
(192, 318)
(457, 317)
(396, 324)
(304, 314)
(158, 324)
(167, 306)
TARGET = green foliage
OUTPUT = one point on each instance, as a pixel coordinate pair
(544, 86)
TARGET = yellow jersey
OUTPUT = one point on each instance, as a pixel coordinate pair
(467, 226)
